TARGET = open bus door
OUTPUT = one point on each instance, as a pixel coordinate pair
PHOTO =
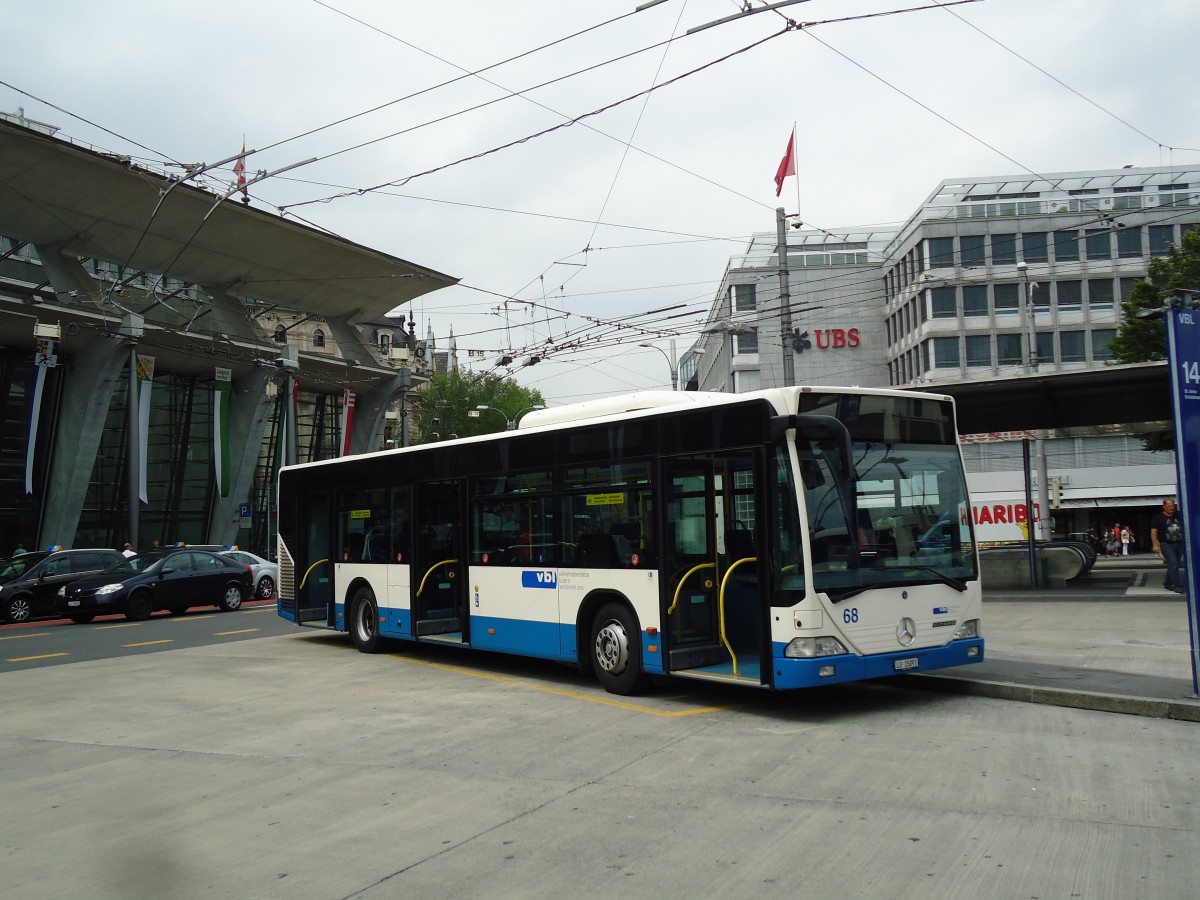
(314, 571)
(715, 600)
(439, 566)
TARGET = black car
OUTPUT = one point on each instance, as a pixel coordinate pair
(172, 579)
(29, 583)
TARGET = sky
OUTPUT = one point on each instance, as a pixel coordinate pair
(612, 230)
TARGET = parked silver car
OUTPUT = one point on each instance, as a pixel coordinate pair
(264, 572)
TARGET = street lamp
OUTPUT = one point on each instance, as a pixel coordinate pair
(672, 364)
(509, 424)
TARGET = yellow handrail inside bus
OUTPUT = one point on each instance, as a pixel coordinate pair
(721, 608)
(304, 580)
(429, 571)
(675, 602)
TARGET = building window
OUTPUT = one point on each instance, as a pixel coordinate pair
(1129, 243)
(941, 252)
(945, 304)
(1070, 295)
(1008, 349)
(318, 338)
(1099, 243)
(1034, 247)
(1161, 239)
(1008, 299)
(746, 343)
(743, 298)
(945, 353)
(975, 301)
(1127, 288)
(1100, 293)
(1004, 249)
(280, 334)
(1070, 344)
(979, 350)
(1066, 246)
(385, 341)
(746, 380)
(971, 250)
(1045, 348)
(1100, 341)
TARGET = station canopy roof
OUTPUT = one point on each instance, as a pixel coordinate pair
(99, 205)
(1086, 401)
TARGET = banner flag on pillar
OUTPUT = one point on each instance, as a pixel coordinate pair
(348, 396)
(145, 380)
(222, 385)
(44, 358)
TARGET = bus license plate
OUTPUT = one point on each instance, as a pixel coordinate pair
(902, 664)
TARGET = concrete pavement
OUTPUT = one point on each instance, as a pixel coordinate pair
(1113, 640)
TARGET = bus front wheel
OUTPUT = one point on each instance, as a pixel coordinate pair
(616, 650)
(364, 622)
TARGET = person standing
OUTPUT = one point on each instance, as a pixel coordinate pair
(1126, 539)
(128, 551)
(1166, 539)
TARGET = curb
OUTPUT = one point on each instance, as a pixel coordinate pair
(1184, 710)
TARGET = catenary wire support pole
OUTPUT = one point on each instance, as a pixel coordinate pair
(133, 452)
(785, 299)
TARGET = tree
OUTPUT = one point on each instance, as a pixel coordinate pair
(450, 396)
(1144, 338)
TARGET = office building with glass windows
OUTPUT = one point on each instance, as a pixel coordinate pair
(990, 277)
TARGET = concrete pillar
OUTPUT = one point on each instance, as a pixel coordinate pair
(370, 413)
(91, 377)
(249, 416)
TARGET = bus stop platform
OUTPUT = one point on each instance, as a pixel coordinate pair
(1113, 640)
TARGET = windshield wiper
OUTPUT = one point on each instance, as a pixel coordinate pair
(861, 588)
(959, 586)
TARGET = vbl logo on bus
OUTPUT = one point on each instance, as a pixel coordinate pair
(542, 578)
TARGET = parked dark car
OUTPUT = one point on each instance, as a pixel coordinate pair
(173, 580)
(29, 583)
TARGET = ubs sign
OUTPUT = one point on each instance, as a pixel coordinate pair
(826, 338)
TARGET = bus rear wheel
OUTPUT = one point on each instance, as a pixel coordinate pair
(364, 622)
(616, 650)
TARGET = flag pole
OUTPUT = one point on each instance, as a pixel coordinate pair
(794, 156)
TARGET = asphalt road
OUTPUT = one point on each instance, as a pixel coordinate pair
(50, 642)
(294, 767)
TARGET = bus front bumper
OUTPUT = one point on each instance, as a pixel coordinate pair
(800, 673)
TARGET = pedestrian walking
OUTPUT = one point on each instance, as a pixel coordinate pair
(1166, 539)
(128, 551)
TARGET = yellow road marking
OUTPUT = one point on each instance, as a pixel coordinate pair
(13, 637)
(43, 656)
(241, 631)
(148, 643)
(119, 625)
(574, 695)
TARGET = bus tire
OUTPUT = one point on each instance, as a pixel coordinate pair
(364, 622)
(616, 650)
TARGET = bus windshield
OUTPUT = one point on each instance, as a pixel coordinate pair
(900, 517)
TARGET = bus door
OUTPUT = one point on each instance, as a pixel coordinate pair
(314, 571)
(439, 563)
(712, 555)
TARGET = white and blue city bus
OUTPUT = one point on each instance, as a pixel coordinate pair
(781, 539)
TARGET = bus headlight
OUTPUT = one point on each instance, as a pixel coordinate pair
(810, 647)
(968, 629)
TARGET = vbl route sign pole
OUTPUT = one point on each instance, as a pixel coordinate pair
(1183, 358)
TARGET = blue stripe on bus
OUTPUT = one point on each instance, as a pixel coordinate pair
(799, 673)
